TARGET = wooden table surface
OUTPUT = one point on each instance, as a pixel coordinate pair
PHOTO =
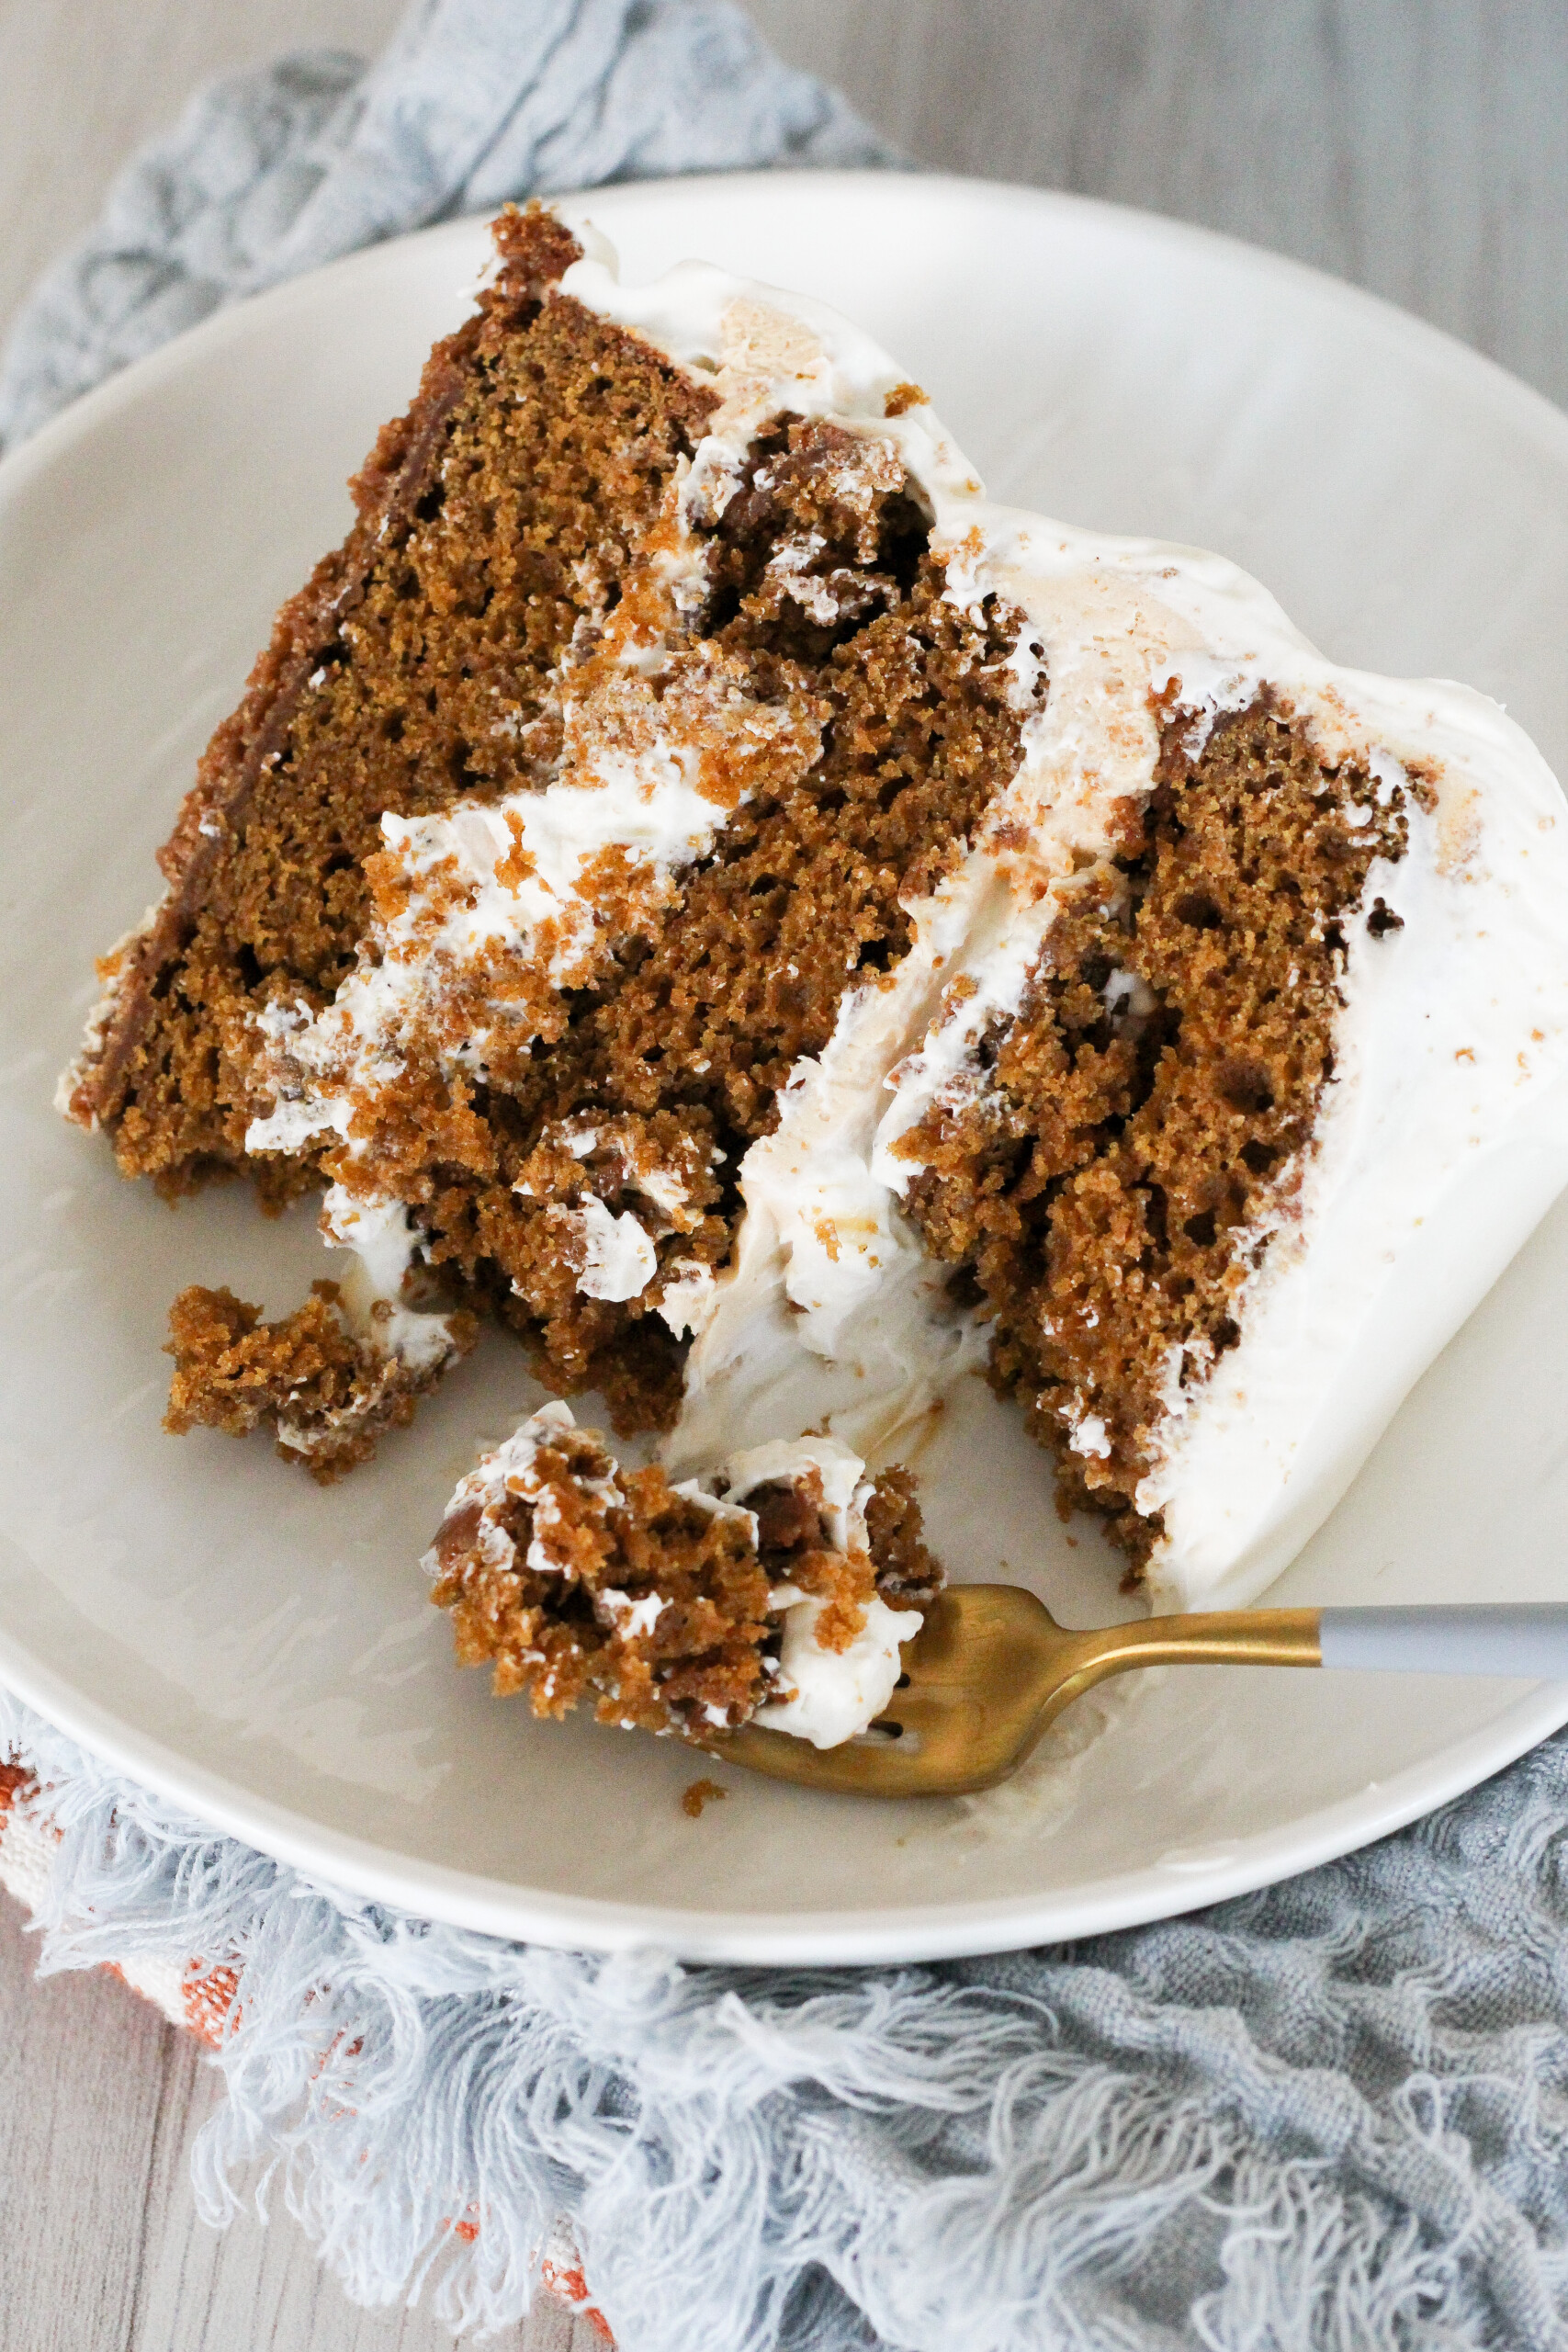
(1419, 147)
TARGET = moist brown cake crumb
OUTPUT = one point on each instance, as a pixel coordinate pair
(574, 1578)
(330, 1394)
(699, 1793)
(908, 1575)
(679, 1051)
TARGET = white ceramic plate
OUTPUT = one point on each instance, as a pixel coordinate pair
(263, 1650)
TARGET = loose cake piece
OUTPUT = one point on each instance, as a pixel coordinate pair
(330, 1378)
(778, 1589)
(694, 879)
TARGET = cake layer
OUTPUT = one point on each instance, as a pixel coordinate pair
(1107, 1170)
(415, 669)
(575, 1003)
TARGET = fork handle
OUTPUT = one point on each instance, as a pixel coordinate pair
(1524, 1638)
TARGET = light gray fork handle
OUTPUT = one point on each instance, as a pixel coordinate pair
(1527, 1638)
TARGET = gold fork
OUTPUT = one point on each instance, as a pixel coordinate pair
(990, 1668)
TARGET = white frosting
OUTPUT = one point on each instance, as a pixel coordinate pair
(833, 1695)
(619, 1260)
(825, 1695)
(634, 1619)
(845, 1490)
(687, 1297)
(384, 1246)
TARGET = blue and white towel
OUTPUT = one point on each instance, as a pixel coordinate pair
(1331, 2115)
(476, 101)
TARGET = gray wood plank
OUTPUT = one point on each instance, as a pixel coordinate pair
(91, 2081)
(258, 2285)
(101, 2248)
(1418, 147)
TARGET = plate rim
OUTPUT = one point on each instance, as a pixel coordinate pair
(908, 1932)
(82, 415)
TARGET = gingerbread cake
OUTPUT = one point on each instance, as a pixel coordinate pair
(692, 881)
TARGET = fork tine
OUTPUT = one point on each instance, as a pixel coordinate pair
(979, 1671)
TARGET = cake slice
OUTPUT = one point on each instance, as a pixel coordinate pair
(694, 880)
